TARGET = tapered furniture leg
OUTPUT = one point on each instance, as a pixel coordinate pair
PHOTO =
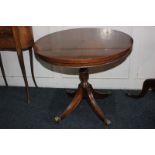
(95, 107)
(100, 95)
(21, 62)
(31, 64)
(88, 89)
(3, 72)
(76, 101)
(148, 84)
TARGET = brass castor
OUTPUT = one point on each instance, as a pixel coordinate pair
(57, 119)
(108, 122)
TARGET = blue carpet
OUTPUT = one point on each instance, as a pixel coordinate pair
(124, 112)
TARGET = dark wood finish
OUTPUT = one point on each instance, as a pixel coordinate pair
(3, 72)
(100, 95)
(83, 48)
(86, 91)
(96, 94)
(148, 84)
(31, 65)
(74, 104)
(7, 40)
(19, 39)
(20, 58)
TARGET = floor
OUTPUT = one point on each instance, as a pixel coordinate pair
(124, 112)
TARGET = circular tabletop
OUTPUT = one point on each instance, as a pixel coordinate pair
(83, 47)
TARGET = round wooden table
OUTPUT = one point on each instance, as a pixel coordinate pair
(84, 48)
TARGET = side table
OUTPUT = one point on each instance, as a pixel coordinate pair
(83, 48)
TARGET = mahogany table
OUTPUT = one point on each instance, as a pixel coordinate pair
(84, 48)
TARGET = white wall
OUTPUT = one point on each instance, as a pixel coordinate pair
(129, 75)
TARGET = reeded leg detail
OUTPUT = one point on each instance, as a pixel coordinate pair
(31, 64)
(76, 101)
(3, 72)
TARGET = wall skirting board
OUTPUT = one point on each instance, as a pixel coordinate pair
(73, 83)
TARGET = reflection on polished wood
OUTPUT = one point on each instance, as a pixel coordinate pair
(84, 48)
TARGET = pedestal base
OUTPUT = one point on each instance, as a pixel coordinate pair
(85, 90)
(148, 84)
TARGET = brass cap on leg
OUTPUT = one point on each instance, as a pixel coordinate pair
(57, 119)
